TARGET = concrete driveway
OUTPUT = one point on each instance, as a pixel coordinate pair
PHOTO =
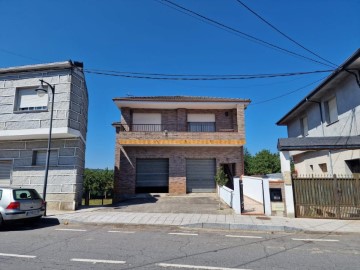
(196, 203)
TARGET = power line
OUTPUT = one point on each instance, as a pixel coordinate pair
(287, 93)
(196, 77)
(283, 34)
(235, 31)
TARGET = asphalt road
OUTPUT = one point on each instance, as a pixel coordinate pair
(53, 246)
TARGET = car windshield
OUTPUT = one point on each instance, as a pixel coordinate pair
(26, 194)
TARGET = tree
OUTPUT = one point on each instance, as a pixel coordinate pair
(263, 162)
(220, 177)
(247, 161)
(97, 182)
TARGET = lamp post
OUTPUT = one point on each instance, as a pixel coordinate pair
(41, 91)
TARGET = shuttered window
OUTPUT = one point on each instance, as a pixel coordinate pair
(39, 158)
(146, 122)
(5, 172)
(28, 100)
(331, 111)
(201, 122)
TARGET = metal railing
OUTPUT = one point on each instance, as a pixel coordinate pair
(189, 127)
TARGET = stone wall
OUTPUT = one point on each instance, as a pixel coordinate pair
(64, 187)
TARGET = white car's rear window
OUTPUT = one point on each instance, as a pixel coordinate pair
(25, 194)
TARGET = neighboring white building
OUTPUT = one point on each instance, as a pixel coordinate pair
(324, 127)
(24, 129)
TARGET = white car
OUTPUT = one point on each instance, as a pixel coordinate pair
(20, 204)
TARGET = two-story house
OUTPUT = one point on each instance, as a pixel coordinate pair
(174, 144)
(324, 127)
(24, 130)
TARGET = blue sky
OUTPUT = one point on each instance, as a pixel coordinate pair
(147, 36)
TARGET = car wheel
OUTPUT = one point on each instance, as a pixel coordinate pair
(1, 221)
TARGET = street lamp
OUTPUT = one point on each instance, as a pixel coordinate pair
(41, 91)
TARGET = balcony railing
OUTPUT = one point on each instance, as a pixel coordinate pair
(189, 127)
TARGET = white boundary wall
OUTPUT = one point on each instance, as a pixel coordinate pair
(258, 189)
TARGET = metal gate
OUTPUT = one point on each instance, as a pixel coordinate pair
(152, 175)
(200, 175)
(327, 197)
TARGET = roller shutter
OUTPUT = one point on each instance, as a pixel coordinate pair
(200, 175)
(152, 173)
(5, 172)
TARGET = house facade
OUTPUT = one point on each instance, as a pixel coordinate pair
(24, 130)
(324, 128)
(175, 144)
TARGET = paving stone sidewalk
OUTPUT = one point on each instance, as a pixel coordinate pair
(217, 221)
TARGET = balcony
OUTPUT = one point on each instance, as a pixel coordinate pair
(189, 127)
(189, 134)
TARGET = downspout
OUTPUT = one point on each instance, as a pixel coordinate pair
(323, 131)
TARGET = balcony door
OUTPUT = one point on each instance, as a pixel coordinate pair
(201, 122)
(146, 122)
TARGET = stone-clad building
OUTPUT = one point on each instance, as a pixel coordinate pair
(175, 144)
(24, 129)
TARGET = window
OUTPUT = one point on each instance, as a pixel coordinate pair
(146, 122)
(202, 122)
(331, 111)
(0, 194)
(28, 100)
(39, 158)
(304, 126)
(323, 167)
(354, 165)
(25, 194)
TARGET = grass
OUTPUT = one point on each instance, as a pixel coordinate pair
(98, 202)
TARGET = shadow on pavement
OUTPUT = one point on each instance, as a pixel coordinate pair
(29, 225)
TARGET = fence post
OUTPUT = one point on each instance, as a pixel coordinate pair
(266, 197)
(237, 197)
(337, 198)
(356, 192)
(286, 171)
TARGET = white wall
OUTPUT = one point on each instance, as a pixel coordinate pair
(253, 188)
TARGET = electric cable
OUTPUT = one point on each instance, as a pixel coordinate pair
(238, 32)
(283, 34)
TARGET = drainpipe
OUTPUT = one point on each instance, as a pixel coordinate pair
(323, 132)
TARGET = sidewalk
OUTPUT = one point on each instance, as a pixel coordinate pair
(101, 215)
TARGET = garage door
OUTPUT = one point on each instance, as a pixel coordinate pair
(5, 172)
(152, 174)
(200, 175)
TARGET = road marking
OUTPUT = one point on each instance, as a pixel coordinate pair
(193, 234)
(315, 240)
(71, 230)
(196, 267)
(243, 236)
(97, 261)
(120, 232)
(17, 255)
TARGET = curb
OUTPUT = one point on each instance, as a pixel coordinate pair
(221, 226)
(247, 227)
